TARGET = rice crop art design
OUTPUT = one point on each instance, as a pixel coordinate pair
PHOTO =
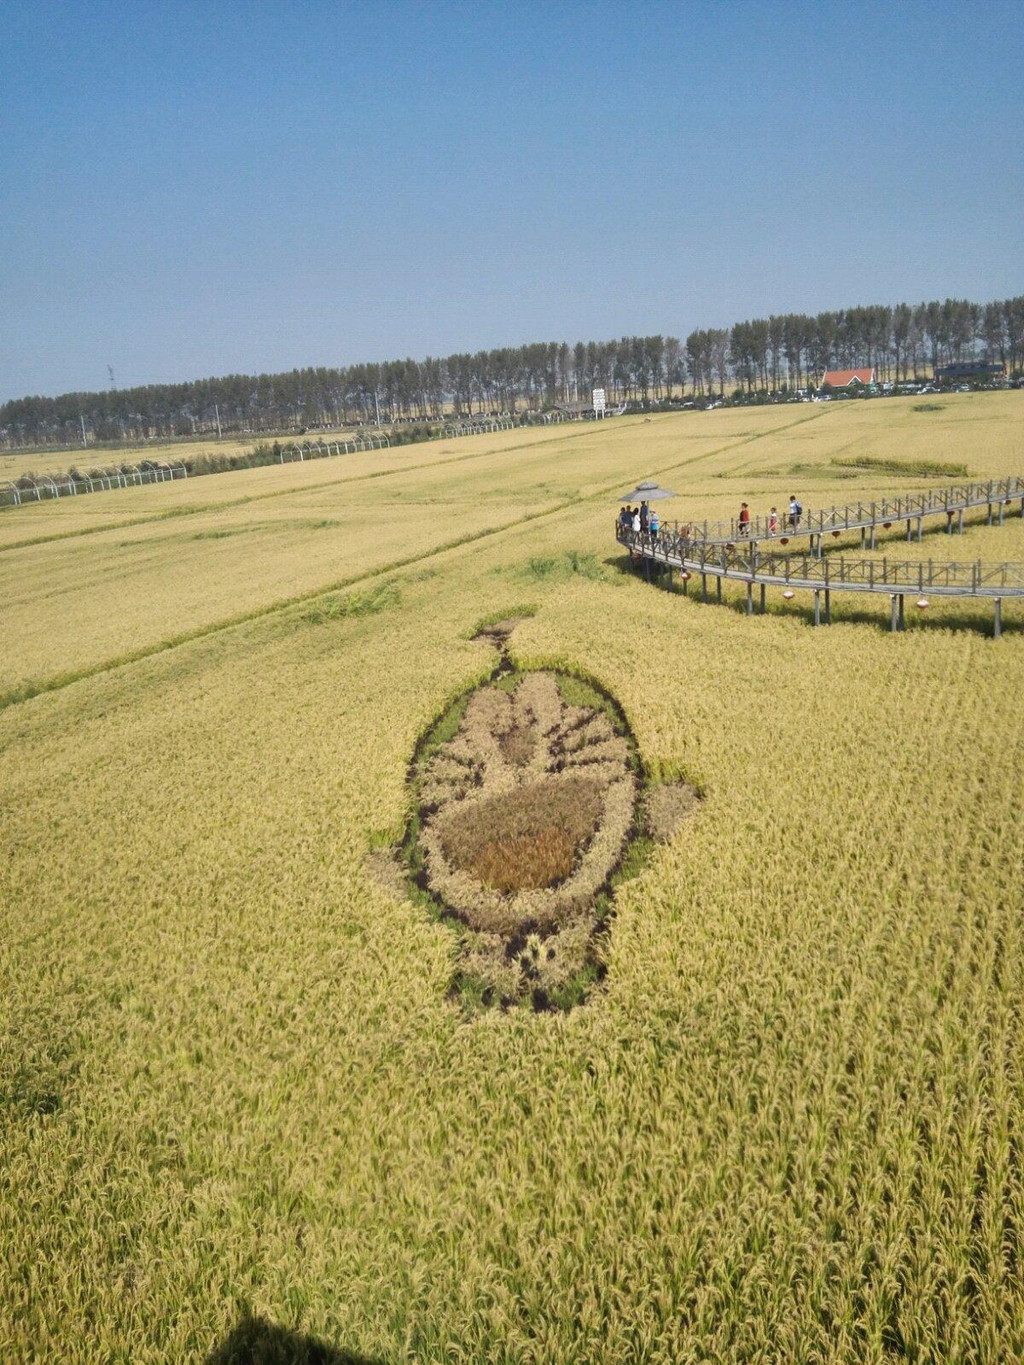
(529, 795)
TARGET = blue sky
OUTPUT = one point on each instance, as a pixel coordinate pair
(190, 189)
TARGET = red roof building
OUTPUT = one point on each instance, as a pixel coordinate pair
(844, 379)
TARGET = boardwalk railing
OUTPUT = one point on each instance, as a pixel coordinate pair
(826, 574)
(911, 508)
(955, 578)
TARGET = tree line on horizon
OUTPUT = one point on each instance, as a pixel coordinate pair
(784, 351)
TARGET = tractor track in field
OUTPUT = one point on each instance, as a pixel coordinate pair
(58, 682)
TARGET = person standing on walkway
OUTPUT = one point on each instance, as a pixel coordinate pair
(773, 521)
(653, 523)
(795, 512)
(636, 521)
(644, 514)
(744, 519)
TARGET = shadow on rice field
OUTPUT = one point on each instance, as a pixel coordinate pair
(258, 1342)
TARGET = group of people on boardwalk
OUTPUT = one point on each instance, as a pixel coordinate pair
(796, 511)
(641, 520)
(644, 520)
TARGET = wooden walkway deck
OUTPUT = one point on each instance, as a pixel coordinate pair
(720, 556)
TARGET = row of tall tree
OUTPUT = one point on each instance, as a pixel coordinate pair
(794, 349)
(782, 351)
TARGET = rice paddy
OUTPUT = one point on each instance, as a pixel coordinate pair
(777, 1113)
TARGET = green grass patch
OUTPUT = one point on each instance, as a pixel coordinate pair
(575, 991)
(853, 465)
(561, 568)
(802, 470)
(928, 407)
(577, 691)
(522, 610)
(638, 855)
(471, 993)
(664, 771)
(366, 603)
(446, 728)
(924, 469)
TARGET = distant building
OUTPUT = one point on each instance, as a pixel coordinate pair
(969, 369)
(848, 379)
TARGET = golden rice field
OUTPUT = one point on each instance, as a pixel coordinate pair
(787, 1124)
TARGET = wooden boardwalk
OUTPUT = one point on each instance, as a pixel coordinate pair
(997, 496)
(722, 555)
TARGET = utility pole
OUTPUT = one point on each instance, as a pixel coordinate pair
(84, 441)
(376, 404)
(216, 408)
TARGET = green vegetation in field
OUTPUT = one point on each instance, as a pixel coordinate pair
(840, 468)
(520, 612)
(570, 564)
(922, 469)
(366, 603)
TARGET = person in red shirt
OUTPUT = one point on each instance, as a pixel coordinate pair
(744, 519)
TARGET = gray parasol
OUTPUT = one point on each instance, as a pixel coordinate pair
(647, 491)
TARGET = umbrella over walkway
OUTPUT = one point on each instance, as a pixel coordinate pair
(647, 491)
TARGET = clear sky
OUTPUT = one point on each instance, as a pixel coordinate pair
(189, 189)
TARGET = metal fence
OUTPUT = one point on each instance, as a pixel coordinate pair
(478, 428)
(37, 487)
(323, 450)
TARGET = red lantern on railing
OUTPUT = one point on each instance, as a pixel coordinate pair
(784, 540)
(835, 533)
(789, 594)
(921, 603)
(886, 525)
(685, 576)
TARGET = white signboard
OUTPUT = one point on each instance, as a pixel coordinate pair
(599, 402)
